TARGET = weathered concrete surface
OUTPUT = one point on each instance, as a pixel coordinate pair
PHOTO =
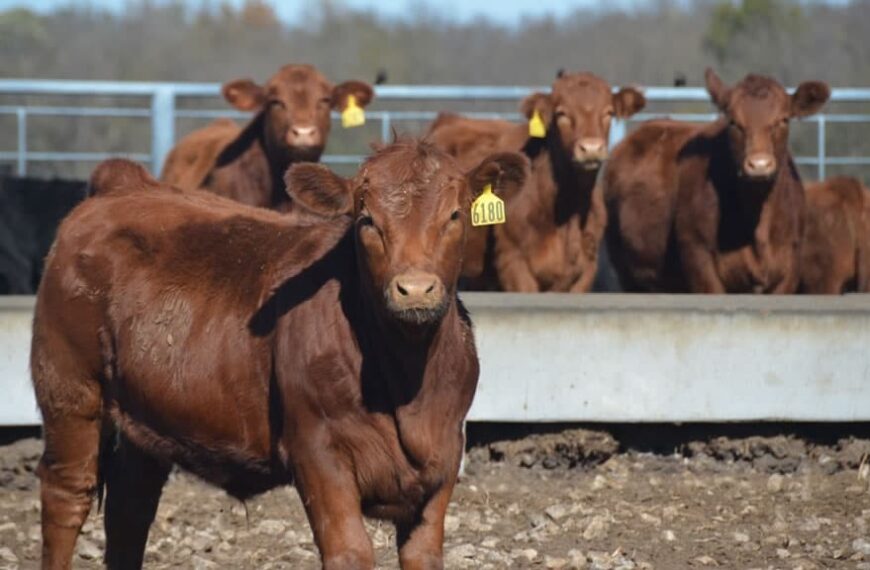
(622, 358)
(672, 358)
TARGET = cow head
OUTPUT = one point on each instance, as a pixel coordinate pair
(296, 104)
(578, 112)
(758, 111)
(411, 207)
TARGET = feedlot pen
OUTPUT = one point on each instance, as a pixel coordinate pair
(735, 496)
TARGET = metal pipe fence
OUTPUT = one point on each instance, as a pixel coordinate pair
(162, 111)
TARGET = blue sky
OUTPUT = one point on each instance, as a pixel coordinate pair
(502, 11)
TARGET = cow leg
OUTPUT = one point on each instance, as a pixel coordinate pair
(329, 492)
(68, 480)
(421, 541)
(134, 481)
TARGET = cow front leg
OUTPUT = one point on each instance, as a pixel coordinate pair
(329, 493)
(421, 540)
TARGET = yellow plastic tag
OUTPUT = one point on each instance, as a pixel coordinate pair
(353, 115)
(537, 128)
(488, 209)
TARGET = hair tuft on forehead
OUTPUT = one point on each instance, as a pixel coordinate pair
(757, 86)
(402, 170)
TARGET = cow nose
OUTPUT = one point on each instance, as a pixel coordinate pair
(415, 290)
(303, 136)
(593, 146)
(759, 165)
(303, 131)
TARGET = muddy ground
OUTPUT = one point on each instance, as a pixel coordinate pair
(570, 499)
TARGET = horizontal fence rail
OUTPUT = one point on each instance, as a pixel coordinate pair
(621, 358)
(162, 110)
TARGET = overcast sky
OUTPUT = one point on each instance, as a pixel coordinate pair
(501, 11)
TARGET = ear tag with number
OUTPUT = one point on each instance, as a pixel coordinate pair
(353, 115)
(537, 128)
(488, 209)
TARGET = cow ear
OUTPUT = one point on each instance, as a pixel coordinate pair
(540, 102)
(628, 101)
(717, 90)
(317, 189)
(244, 94)
(505, 171)
(362, 92)
(809, 98)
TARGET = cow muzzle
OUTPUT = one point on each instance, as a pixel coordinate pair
(590, 153)
(416, 297)
(759, 166)
(302, 136)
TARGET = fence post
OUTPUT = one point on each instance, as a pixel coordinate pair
(617, 132)
(821, 150)
(162, 125)
(21, 166)
(385, 127)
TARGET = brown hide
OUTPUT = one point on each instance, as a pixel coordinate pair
(188, 163)
(256, 351)
(555, 222)
(291, 124)
(731, 190)
(836, 249)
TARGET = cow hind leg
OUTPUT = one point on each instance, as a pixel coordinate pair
(68, 480)
(134, 482)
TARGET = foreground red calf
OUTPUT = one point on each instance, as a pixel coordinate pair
(179, 327)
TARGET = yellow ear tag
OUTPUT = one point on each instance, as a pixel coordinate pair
(537, 128)
(353, 115)
(488, 209)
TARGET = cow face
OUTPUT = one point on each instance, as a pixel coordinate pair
(758, 111)
(296, 103)
(579, 111)
(411, 205)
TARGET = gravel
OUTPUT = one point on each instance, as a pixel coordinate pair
(571, 500)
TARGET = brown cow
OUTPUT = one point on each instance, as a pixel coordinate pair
(555, 222)
(291, 125)
(179, 327)
(835, 255)
(717, 208)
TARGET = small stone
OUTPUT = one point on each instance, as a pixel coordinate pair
(556, 512)
(463, 551)
(861, 545)
(782, 553)
(270, 527)
(597, 528)
(775, 483)
(200, 563)
(741, 537)
(706, 561)
(650, 519)
(490, 542)
(551, 562)
(599, 483)
(528, 553)
(6, 555)
(87, 550)
(8, 526)
(669, 535)
(451, 523)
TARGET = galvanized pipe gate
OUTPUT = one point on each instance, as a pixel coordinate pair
(163, 112)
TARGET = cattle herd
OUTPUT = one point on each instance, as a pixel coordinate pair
(259, 320)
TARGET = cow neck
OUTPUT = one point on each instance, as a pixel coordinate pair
(564, 189)
(745, 198)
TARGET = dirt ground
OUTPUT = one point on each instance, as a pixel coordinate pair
(571, 499)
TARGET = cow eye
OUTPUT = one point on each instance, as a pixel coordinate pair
(326, 101)
(277, 103)
(609, 113)
(366, 220)
(454, 216)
